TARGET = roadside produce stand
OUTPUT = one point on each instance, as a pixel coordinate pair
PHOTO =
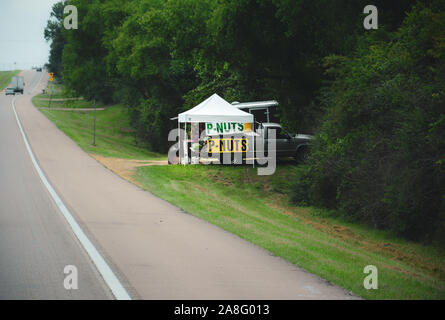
(221, 120)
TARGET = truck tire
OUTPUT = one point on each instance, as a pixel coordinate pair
(301, 154)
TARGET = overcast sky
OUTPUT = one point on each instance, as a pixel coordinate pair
(21, 33)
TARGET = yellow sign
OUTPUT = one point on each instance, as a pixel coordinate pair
(227, 145)
(51, 75)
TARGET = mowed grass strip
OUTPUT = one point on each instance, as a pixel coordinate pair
(5, 77)
(114, 136)
(252, 207)
(55, 96)
(54, 90)
(68, 104)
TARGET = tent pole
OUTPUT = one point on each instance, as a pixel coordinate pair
(185, 142)
(253, 136)
(179, 140)
(182, 142)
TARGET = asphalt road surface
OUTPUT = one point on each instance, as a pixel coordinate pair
(35, 241)
(156, 250)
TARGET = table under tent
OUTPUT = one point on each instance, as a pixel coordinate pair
(215, 131)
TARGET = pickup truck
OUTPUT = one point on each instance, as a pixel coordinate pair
(286, 145)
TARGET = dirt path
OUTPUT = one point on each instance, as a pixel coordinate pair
(127, 167)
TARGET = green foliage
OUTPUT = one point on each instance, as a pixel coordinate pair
(276, 48)
(85, 71)
(154, 52)
(53, 33)
(113, 133)
(160, 57)
(176, 53)
(378, 157)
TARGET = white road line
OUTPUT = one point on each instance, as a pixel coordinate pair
(108, 275)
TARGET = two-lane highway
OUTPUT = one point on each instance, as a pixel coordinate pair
(36, 242)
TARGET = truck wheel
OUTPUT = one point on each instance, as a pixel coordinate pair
(302, 154)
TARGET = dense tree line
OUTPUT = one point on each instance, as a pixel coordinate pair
(53, 33)
(159, 57)
(374, 98)
(379, 156)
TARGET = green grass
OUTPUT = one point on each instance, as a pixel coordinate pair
(253, 207)
(5, 77)
(114, 136)
(55, 90)
(256, 208)
(75, 104)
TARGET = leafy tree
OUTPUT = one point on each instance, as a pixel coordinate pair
(176, 53)
(379, 156)
(154, 51)
(85, 71)
(276, 47)
(53, 33)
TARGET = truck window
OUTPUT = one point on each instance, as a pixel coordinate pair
(279, 133)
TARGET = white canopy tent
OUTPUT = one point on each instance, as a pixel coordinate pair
(213, 109)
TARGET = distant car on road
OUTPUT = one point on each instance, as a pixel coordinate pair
(39, 69)
(10, 91)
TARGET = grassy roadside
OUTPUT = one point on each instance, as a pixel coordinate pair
(56, 97)
(256, 208)
(56, 103)
(113, 132)
(54, 90)
(114, 136)
(5, 77)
